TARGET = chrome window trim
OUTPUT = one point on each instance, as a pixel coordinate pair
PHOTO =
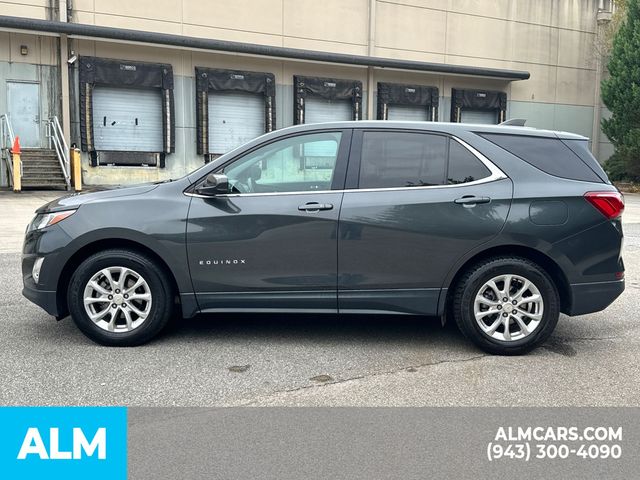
(496, 174)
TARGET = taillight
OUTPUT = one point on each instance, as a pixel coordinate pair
(610, 204)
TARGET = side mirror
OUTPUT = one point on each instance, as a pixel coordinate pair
(214, 184)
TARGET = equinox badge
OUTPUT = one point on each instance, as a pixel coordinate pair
(224, 261)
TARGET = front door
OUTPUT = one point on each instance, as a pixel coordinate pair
(423, 201)
(23, 100)
(272, 241)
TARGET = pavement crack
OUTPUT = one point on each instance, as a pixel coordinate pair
(574, 339)
(411, 368)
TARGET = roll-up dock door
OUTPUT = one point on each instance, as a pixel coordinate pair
(402, 102)
(127, 111)
(487, 117)
(478, 106)
(408, 113)
(317, 100)
(232, 108)
(127, 119)
(234, 119)
(318, 110)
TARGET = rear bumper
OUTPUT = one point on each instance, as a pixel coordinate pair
(594, 297)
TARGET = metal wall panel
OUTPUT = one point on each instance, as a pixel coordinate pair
(234, 119)
(127, 119)
(319, 110)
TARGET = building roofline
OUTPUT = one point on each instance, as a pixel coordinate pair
(111, 33)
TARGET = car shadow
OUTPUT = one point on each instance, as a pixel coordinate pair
(314, 328)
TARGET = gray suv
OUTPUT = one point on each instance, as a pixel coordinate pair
(499, 228)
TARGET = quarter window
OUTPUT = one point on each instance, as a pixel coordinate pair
(301, 163)
(548, 154)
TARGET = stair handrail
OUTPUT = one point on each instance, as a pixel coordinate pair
(56, 137)
(7, 137)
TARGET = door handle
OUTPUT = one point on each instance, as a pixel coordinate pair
(315, 207)
(471, 200)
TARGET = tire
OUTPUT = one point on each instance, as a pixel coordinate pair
(123, 317)
(476, 305)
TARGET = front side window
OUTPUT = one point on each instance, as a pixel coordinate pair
(301, 163)
(401, 159)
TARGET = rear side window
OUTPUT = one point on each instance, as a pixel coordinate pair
(415, 159)
(550, 155)
(464, 167)
(399, 159)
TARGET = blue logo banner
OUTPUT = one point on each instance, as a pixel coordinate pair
(63, 442)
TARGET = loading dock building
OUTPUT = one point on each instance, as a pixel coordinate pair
(150, 90)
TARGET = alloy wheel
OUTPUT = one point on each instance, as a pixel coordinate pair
(117, 299)
(508, 307)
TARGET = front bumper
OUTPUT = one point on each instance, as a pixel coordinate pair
(43, 298)
(594, 297)
(48, 244)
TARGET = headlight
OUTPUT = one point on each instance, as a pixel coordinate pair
(43, 220)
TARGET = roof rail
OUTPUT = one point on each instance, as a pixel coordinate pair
(514, 122)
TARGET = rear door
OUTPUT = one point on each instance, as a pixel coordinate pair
(416, 202)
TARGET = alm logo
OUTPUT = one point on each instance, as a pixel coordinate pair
(63, 442)
(34, 445)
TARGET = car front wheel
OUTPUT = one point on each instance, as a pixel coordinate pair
(506, 305)
(120, 298)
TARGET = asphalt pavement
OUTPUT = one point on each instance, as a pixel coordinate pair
(311, 360)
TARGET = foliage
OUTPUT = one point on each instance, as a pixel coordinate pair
(621, 95)
(618, 170)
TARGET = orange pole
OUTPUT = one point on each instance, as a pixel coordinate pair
(17, 165)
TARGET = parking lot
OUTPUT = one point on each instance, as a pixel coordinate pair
(311, 360)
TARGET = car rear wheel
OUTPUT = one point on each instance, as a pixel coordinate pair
(506, 305)
(120, 298)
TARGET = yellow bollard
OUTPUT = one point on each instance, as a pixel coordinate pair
(76, 169)
(17, 165)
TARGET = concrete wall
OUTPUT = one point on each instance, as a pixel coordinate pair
(26, 8)
(551, 38)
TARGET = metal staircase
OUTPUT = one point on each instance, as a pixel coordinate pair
(41, 168)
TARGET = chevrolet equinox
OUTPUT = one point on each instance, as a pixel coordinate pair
(499, 228)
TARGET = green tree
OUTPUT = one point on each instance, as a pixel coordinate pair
(621, 95)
